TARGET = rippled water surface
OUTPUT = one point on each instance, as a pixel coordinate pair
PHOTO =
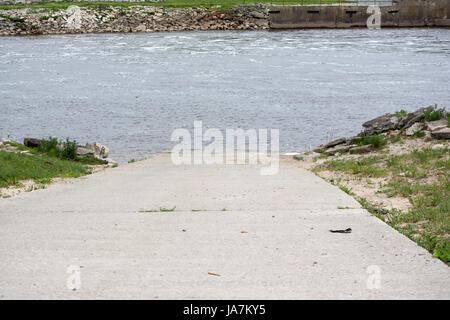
(130, 91)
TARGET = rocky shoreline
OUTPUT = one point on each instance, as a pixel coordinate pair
(397, 169)
(391, 125)
(112, 19)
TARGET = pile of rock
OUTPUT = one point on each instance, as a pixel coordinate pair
(133, 19)
(8, 146)
(408, 124)
(342, 145)
(94, 149)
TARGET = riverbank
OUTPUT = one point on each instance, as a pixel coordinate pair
(38, 163)
(107, 18)
(399, 171)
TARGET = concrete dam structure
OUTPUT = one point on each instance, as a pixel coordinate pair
(406, 13)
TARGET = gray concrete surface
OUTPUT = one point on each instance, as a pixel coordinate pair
(406, 13)
(272, 242)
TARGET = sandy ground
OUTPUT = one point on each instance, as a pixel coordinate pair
(369, 188)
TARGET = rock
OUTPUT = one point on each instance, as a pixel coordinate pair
(335, 142)
(336, 149)
(330, 144)
(137, 19)
(110, 161)
(411, 118)
(437, 147)
(257, 15)
(32, 142)
(414, 128)
(381, 124)
(352, 139)
(361, 149)
(84, 151)
(443, 133)
(95, 149)
(438, 124)
(393, 133)
(141, 28)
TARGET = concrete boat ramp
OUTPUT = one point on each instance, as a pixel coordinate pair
(233, 234)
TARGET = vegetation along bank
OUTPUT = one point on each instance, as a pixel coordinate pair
(398, 169)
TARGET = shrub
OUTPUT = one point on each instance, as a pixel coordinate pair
(66, 150)
(69, 150)
(375, 140)
(419, 133)
(433, 114)
(49, 146)
(401, 113)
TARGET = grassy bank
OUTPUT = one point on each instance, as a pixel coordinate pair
(16, 167)
(421, 176)
(404, 180)
(224, 4)
(50, 160)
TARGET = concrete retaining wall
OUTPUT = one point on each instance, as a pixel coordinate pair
(407, 13)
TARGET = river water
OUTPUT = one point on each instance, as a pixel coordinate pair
(130, 91)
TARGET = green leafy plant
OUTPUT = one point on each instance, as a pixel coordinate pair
(69, 150)
(419, 133)
(375, 140)
(401, 113)
(433, 113)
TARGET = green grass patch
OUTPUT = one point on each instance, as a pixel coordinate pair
(376, 140)
(15, 167)
(419, 134)
(367, 166)
(422, 177)
(64, 150)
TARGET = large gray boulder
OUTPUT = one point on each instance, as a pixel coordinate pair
(381, 124)
(438, 124)
(411, 118)
(443, 133)
(361, 149)
(93, 149)
(414, 128)
(337, 149)
(330, 144)
(32, 142)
